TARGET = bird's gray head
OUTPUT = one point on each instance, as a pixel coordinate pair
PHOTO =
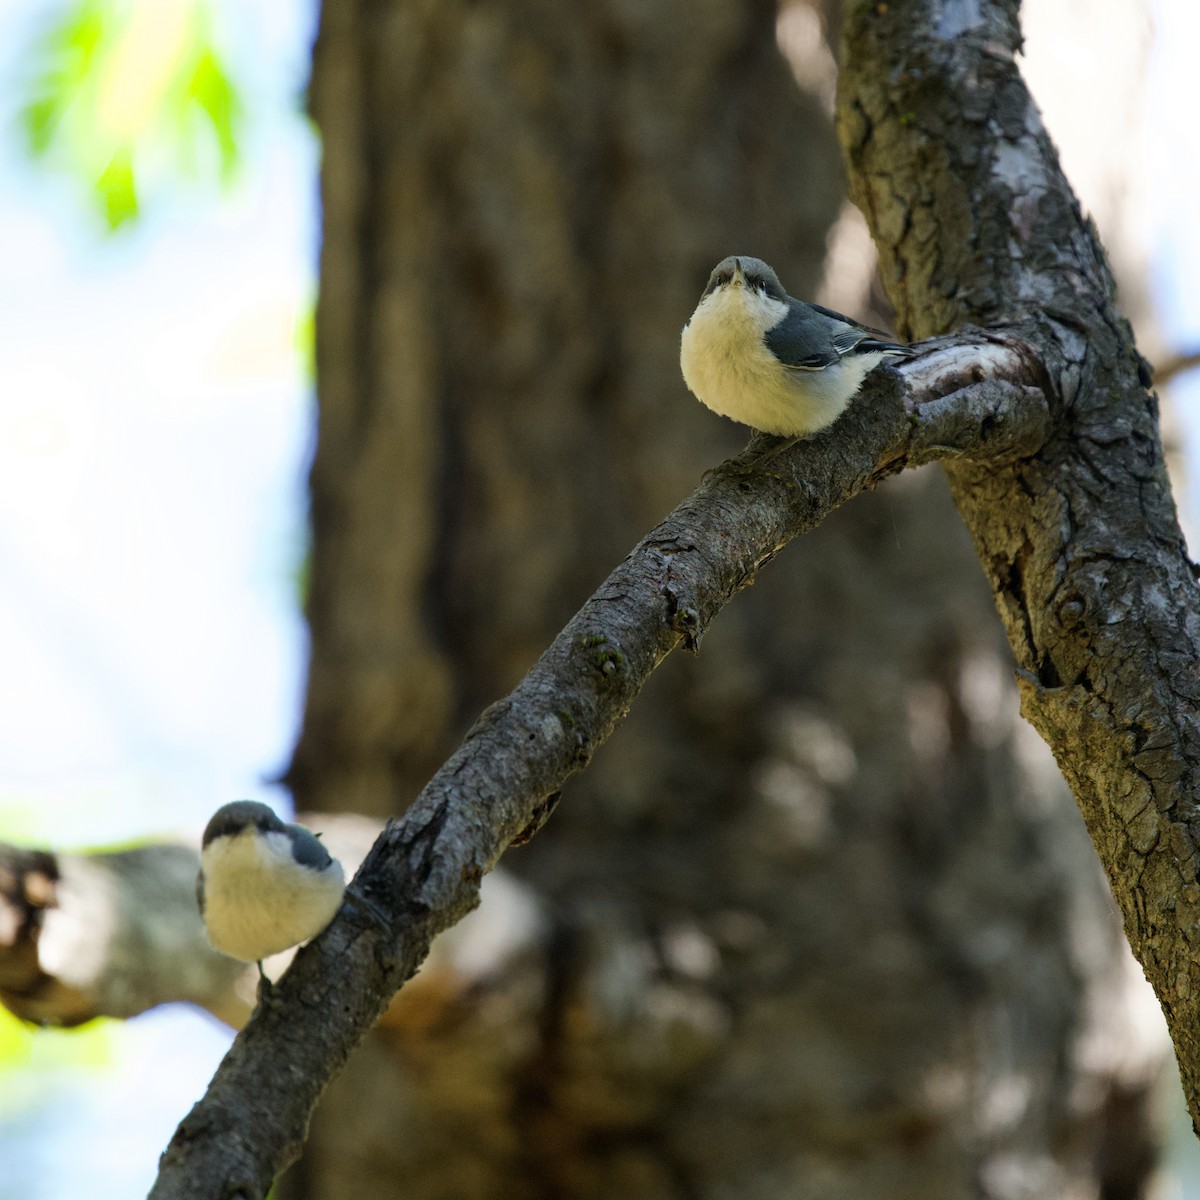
(740, 270)
(231, 819)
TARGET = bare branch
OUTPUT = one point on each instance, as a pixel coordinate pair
(424, 872)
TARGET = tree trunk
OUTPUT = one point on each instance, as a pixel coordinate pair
(818, 921)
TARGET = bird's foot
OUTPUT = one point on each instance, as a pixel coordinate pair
(755, 465)
(367, 907)
(785, 443)
(266, 989)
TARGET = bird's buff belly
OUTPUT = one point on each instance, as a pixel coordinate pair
(752, 387)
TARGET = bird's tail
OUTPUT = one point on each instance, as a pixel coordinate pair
(892, 348)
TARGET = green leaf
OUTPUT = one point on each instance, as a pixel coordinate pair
(214, 93)
(117, 190)
(129, 98)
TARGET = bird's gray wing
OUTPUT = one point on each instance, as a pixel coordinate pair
(861, 336)
(307, 850)
(200, 891)
(805, 341)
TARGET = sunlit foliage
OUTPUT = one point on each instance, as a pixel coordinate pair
(32, 1059)
(129, 96)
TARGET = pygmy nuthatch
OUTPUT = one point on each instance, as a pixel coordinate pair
(264, 886)
(756, 354)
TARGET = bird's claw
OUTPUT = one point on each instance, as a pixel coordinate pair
(367, 907)
(265, 992)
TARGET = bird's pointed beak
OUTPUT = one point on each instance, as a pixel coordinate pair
(739, 276)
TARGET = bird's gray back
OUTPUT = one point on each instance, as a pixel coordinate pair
(811, 337)
(804, 339)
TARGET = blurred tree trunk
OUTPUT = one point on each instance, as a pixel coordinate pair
(819, 920)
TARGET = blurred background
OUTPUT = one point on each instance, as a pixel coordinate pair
(549, 199)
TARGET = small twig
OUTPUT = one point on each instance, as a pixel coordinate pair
(1176, 364)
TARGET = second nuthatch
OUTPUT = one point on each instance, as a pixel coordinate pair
(264, 886)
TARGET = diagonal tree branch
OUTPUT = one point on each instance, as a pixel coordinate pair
(966, 397)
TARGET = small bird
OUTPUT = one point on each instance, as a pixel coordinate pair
(756, 354)
(264, 886)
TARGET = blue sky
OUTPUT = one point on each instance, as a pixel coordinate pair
(155, 426)
(155, 420)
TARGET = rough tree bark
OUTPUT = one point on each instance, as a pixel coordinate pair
(1080, 543)
(808, 924)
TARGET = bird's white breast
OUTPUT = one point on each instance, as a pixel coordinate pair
(259, 901)
(727, 365)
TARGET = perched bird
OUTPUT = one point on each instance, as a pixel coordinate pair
(756, 354)
(264, 886)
